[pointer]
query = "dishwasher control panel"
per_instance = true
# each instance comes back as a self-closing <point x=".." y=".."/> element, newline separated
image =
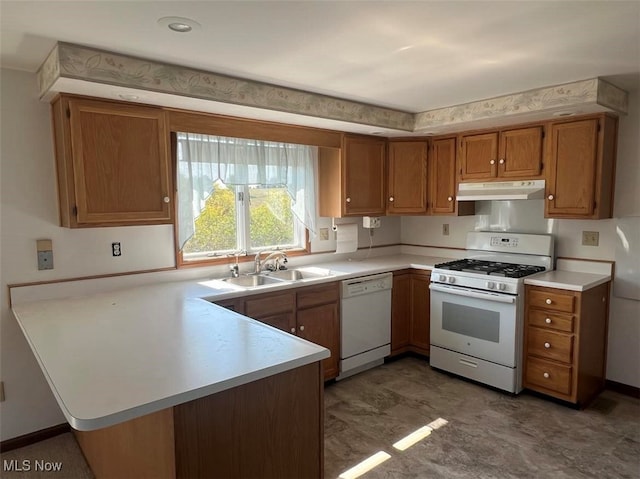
<point x="367" y="285"/>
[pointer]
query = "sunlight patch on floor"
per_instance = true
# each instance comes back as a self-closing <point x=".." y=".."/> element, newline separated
<point x="365" y="466"/>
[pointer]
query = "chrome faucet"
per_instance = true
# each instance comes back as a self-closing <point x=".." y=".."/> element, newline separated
<point x="278" y="256"/>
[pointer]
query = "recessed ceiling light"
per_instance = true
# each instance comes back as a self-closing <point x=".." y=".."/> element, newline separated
<point x="179" y="24"/>
<point x="129" y="97"/>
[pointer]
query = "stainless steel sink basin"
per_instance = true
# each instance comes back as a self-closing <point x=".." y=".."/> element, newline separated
<point x="297" y="274"/>
<point x="253" y="280"/>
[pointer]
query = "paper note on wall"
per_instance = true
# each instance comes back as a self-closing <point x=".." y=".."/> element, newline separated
<point x="346" y="238"/>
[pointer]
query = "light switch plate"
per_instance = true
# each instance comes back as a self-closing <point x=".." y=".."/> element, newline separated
<point x="590" y="238"/>
<point x="324" y="234"/>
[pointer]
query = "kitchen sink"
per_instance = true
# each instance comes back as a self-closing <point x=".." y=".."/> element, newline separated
<point x="252" y="280"/>
<point x="298" y="274"/>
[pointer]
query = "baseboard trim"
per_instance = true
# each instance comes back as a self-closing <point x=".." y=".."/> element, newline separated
<point x="34" y="437"/>
<point x="623" y="388"/>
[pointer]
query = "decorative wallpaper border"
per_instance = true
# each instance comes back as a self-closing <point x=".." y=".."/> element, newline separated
<point x="89" y="64"/>
<point x="569" y="95"/>
<point x="92" y="65"/>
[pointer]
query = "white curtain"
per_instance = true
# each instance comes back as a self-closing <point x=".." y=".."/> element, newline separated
<point x="203" y="159"/>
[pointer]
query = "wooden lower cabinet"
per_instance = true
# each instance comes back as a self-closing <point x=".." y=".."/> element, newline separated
<point x="312" y="313"/>
<point x="410" y="312"/>
<point x="565" y="342"/>
<point x="272" y="427"/>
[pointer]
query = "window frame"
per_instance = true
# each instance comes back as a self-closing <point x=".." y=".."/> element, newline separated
<point x="221" y="259"/>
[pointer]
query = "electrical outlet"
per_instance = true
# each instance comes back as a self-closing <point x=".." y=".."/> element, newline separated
<point x="324" y="234"/>
<point x="44" y="249"/>
<point x="445" y="229"/>
<point x="590" y="238"/>
<point x="116" y="250"/>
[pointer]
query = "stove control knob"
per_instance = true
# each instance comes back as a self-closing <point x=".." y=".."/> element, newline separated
<point x="502" y="286"/>
<point x="451" y="279"/>
<point x="491" y="284"/>
<point x="442" y="278"/>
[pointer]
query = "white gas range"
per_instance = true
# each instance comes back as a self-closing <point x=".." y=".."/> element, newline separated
<point x="477" y="306"/>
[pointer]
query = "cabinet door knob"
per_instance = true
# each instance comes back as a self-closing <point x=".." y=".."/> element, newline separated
<point x="550" y="197"/>
<point x="166" y="199"/>
<point x="501" y="161"/>
<point x="301" y="328"/>
<point x="492" y="162"/>
<point x="449" y="198"/>
<point x="293" y="330"/>
<point x="548" y="320"/>
<point x="348" y="199"/>
<point x="547" y="345"/>
<point x="546" y="375"/>
<point x="548" y="301"/>
<point x="391" y="199"/>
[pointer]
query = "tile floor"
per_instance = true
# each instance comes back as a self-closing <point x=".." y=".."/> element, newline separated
<point x="489" y="434"/>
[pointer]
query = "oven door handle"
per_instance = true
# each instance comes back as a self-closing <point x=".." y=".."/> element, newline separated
<point x="500" y="298"/>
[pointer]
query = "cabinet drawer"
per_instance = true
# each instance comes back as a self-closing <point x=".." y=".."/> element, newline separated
<point x="285" y="321"/>
<point x="550" y="345"/>
<point x="549" y="320"/>
<point x="318" y="295"/>
<point x="554" y="300"/>
<point x="267" y="305"/>
<point x="555" y="377"/>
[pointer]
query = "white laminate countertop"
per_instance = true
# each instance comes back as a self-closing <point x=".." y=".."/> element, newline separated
<point x="118" y="355"/>
<point x="114" y="356"/>
<point x="570" y="280"/>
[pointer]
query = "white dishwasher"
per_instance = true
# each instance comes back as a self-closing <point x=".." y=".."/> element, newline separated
<point x="365" y="323"/>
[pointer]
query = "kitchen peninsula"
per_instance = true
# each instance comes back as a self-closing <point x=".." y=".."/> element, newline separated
<point x="158" y="383"/>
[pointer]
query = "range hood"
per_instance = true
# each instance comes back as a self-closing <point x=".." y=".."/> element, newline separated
<point x="501" y="190"/>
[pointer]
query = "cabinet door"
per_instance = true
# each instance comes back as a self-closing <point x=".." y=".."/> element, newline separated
<point x="443" y="173"/>
<point x="521" y="153"/>
<point x="321" y="325"/>
<point x="407" y="177"/>
<point x="572" y="169"/>
<point x="478" y="156"/>
<point x="400" y="312"/>
<point x="420" y="314"/>
<point x="364" y="176"/>
<point x="283" y="321"/>
<point x="120" y="163"/>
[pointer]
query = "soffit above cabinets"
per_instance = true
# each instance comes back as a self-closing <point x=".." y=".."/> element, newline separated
<point x="83" y="70"/>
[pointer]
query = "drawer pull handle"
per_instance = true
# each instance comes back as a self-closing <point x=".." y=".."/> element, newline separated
<point x="548" y="301"/>
<point x="546" y="375"/>
<point x="466" y="362"/>
<point x="301" y="328"/>
<point x="391" y="199"/>
<point x="548" y="320"/>
<point x="449" y="198"/>
<point x="293" y="330"/>
<point x="492" y="162"/>
<point x="547" y="345"/>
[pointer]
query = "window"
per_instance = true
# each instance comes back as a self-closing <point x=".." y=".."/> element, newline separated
<point x="243" y="195"/>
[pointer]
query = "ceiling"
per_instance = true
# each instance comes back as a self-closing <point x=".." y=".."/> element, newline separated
<point x="411" y="56"/>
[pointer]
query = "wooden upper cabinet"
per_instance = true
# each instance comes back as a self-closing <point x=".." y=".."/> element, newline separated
<point x="352" y="180"/>
<point x="506" y="154"/>
<point x="113" y="163"/>
<point x="407" y="173"/>
<point x="442" y="180"/>
<point x="478" y="156"/>
<point x="521" y="153"/>
<point x="581" y="157"/>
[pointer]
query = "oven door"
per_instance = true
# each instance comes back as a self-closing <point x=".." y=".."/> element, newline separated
<point x="476" y="323"/>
